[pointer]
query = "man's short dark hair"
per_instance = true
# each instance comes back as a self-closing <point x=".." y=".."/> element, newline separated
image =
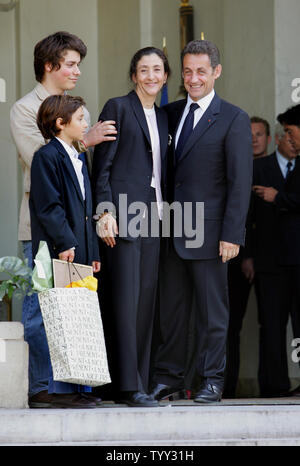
<point x="256" y="119"/>
<point x="290" y="117"/>
<point x="205" y="47"/>
<point x="56" y="106"/>
<point x="53" y="48"/>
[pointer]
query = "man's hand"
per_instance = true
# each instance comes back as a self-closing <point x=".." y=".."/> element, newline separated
<point x="267" y="194"/>
<point x="100" y="132"/>
<point x="248" y="269"/>
<point x="67" y="255"/>
<point x="107" y="229"/>
<point x="228" y="250"/>
<point x="96" y="266"/>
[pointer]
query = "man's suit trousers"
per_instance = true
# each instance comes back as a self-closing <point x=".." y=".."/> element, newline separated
<point x="278" y="297"/>
<point x="179" y="280"/>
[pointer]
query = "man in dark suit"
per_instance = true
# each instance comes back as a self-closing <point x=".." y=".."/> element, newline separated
<point x="211" y="164"/>
<point x="241" y="275"/>
<point x="272" y="216"/>
<point x="289" y="202"/>
<point x="291" y="122"/>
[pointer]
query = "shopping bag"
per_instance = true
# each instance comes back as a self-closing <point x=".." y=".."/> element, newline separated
<point x="75" y="336"/>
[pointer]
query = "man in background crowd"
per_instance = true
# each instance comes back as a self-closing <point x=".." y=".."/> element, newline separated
<point x="273" y="221"/>
<point x="241" y="275"/>
<point x="261" y="136"/>
<point x="291" y="202"/>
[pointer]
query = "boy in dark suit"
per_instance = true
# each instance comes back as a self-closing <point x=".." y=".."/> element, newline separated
<point x="61" y="214"/>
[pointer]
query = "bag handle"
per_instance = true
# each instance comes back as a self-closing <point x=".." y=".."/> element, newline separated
<point x="75" y="270"/>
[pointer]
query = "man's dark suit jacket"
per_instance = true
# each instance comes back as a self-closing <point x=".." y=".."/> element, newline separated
<point x="274" y="240"/>
<point x="125" y="166"/>
<point x="59" y="214"/>
<point x="215" y="167"/>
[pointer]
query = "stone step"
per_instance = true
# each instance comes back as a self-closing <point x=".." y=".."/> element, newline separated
<point x="226" y="423"/>
<point x="176" y="444"/>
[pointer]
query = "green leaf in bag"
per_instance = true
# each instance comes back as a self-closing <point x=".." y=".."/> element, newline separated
<point x="42" y="276"/>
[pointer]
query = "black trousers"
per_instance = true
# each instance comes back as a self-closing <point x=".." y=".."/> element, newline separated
<point x="278" y="297"/>
<point x="180" y="280"/>
<point x="238" y="289"/>
<point x="127" y="297"/>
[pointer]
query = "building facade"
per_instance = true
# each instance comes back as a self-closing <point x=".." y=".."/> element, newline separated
<point x="259" y="45"/>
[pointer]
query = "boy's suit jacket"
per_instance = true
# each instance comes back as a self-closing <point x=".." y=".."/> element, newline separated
<point x="59" y="214"/>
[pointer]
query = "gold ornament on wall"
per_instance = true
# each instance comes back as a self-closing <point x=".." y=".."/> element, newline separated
<point x="186" y="22"/>
<point x="186" y="13"/>
<point x="8" y="6"/>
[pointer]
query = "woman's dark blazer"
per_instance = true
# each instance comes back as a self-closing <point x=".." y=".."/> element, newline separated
<point x="124" y="166"/>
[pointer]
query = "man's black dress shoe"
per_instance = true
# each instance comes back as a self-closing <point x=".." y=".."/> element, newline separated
<point x="208" y="393"/>
<point x="138" y="399"/>
<point x="162" y="391"/>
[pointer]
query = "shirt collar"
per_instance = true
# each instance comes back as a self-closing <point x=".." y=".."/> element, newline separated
<point x="204" y="102"/>
<point x="283" y="161"/>
<point x="69" y="149"/>
<point x="41" y="91"/>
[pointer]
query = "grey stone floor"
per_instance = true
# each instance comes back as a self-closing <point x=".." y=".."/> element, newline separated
<point x="246" y="422"/>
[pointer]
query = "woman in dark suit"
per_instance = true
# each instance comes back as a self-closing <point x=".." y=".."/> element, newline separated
<point x="129" y="170"/>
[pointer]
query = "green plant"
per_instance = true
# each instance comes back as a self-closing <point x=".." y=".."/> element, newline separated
<point x="19" y="282"/>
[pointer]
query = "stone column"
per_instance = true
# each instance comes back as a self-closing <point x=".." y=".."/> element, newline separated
<point x="13" y="366"/>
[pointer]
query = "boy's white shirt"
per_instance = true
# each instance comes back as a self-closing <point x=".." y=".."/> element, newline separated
<point x="77" y="164"/>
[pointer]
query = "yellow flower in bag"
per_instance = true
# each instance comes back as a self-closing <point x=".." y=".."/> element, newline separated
<point x="91" y="283"/>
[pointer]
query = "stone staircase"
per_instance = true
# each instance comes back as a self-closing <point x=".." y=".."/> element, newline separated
<point x="231" y="422"/>
<point x="180" y="423"/>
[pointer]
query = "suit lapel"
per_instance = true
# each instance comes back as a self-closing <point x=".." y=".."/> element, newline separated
<point x="69" y="166"/>
<point x="162" y="126"/>
<point x="206" y="121"/>
<point x="274" y="172"/>
<point x="177" y="117"/>
<point x="295" y="171"/>
<point x="139" y="113"/>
